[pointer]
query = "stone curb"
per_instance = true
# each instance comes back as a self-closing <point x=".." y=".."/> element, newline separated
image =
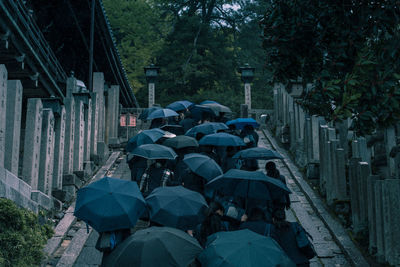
<point x="65" y="223"/>
<point x="336" y="229"/>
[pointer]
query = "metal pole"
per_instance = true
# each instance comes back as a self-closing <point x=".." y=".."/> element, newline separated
<point x="91" y="46"/>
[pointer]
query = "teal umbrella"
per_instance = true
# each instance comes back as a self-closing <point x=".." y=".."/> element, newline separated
<point x="241" y="122"/>
<point x="206" y="128"/>
<point x="162" y="113"/>
<point x="154" y="151"/>
<point x="243" y="248"/>
<point x="176" y="206"/>
<point x="221" y="139"/>
<point x="155" y="246"/>
<point x="257" y="153"/>
<point x="110" y="204"/>
<point x="202" y="165"/>
<point x="144" y="137"/>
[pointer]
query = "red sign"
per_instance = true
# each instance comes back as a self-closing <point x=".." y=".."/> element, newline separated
<point x="132" y="120"/>
<point x="122" y="120"/>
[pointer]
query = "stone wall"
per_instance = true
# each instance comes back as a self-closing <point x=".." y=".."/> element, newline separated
<point x="360" y="171"/>
<point x="59" y="140"/>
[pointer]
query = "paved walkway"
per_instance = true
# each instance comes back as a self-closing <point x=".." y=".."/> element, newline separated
<point x="329" y="253"/>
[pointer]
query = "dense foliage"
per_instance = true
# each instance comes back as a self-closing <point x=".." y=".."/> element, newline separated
<point x="348" y="50"/>
<point x="198" y="45"/>
<point x="21" y="236"/>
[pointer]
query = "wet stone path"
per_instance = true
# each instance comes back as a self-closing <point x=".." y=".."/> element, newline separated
<point x="329" y="254"/>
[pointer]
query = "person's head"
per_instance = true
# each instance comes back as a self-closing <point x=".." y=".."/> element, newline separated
<point x="256" y="214"/>
<point x="279" y="217"/>
<point x="160" y="163"/>
<point x="270" y="165"/>
<point x="215" y="208"/>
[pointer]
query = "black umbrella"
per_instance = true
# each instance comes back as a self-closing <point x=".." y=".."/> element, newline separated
<point x="202" y="165"/>
<point x="154" y="151"/>
<point x="175" y="129"/>
<point x="176" y="206"/>
<point x="155" y="246"/>
<point x="206" y="128"/>
<point x="181" y="141"/>
<point x="257" y="153"/>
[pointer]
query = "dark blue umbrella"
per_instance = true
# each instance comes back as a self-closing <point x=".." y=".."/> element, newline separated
<point x="144" y="137"/>
<point x="175" y="129"/>
<point x="257" y="153"/>
<point x="241" y="122"/>
<point x="243" y="248"/>
<point x="179" y="105"/>
<point x="247" y="184"/>
<point x="206" y="128"/>
<point x="162" y="113"/>
<point x="176" y="206"/>
<point x="110" y="204"/>
<point x="221" y="139"/>
<point x="202" y="165"/>
<point x="147" y="111"/>
<point x="154" y="247"/>
<point x="154" y="151"/>
<point x="181" y="141"/>
<point x="209" y="102"/>
<point x="199" y="112"/>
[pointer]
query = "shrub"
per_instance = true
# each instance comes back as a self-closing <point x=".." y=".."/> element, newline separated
<point x="22" y="238"/>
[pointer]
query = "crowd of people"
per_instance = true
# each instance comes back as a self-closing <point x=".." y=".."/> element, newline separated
<point x="224" y="213"/>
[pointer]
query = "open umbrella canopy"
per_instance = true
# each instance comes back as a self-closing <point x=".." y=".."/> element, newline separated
<point x="110" y="204"/>
<point x="217" y="108"/>
<point x="257" y="153"/>
<point x="147" y="111"/>
<point x="202" y="165"/>
<point x="247" y="184"/>
<point x="206" y="128"/>
<point x="209" y="102"/>
<point x="200" y="111"/>
<point x="179" y="105"/>
<point x="243" y="248"/>
<point x="154" y="247"/>
<point x="221" y="139"/>
<point x="241" y="122"/>
<point x="162" y="113"/>
<point x="175" y="129"/>
<point x="181" y="141"/>
<point x="176" y="206"/>
<point x="154" y="151"/>
<point x="144" y="137"/>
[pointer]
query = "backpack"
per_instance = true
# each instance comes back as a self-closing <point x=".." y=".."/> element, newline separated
<point x="303" y="242"/>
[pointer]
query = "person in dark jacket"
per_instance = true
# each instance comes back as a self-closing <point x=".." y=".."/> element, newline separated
<point x="249" y="136"/>
<point x="213" y="222"/>
<point x="137" y="165"/>
<point x="280" y="199"/>
<point x="156" y="175"/>
<point x="188" y="122"/>
<point x="284" y="233"/>
<point x="229" y="162"/>
<point x="256" y="221"/>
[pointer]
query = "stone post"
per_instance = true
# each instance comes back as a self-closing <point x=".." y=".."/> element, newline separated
<point x="354" y="193"/>
<point x="79" y="135"/>
<point x="340" y="180"/>
<point x="390" y="142"/>
<point x="113" y="114"/>
<point x="13" y="125"/>
<point x="380" y="235"/>
<point x="391" y="219"/>
<point x="95" y="124"/>
<point x="102" y="147"/>
<point x="247" y="95"/>
<point x="308" y="142"/>
<point x="372" y="213"/>
<point x="323" y="138"/>
<point x="3" y="106"/>
<point x="315" y="137"/>
<point x="331" y="186"/>
<point x="85" y="97"/>
<point x="46" y="152"/>
<point x="244" y="111"/>
<point x="55" y="104"/>
<point x="276" y="107"/>
<point x="363" y="150"/>
<point x="68" y="166"/>
<point x="152" y="93"/>
<point x="364" y="172"/>
<point x="355" y="148"/>
<point x="33" y="135"/>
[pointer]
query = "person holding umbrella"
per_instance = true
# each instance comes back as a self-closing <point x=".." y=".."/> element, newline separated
<point x="157" y="174"/>
<point x="213" y="223"/>
<point x="279" y="201"/>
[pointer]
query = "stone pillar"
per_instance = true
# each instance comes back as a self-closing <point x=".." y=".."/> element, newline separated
<point x="68" y="166"/>
<point x="3" y="105"/>
<point x="355" y="194"/>
<point x="380" y="235"/>
<point x="275" y="105"/>
<point x="355" y="148"/>
<point x="95" y="124"/>
<point x="13" y="125"/>
<point x="340" y="180"/>
<point x="372" y="213"/>
<point x="363" y="150"/>
<point x="331" y="186"/>
<point x="247" y="94"/>
<point x="112" y="114"/>
<point x="391" y="219"/>
<point x="323" y="138"/>
<point x="55" y="104"/>
<point x="390" y="142"/>
<point x="364" y="173"/>
<point x="152" y="93"/>
<point x="315" y="137"/>
<point x="33" y="135"/>
<point x="79" y="135"/>
<point x="244" y="111"/>
<point x="98" y="87"/>
<point x="308" y="142"/>
<point x="46" y="152"/>
<point x="87" y="117"/>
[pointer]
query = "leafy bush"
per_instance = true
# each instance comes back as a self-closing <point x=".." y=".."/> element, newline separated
<point x="22" y="238"/>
